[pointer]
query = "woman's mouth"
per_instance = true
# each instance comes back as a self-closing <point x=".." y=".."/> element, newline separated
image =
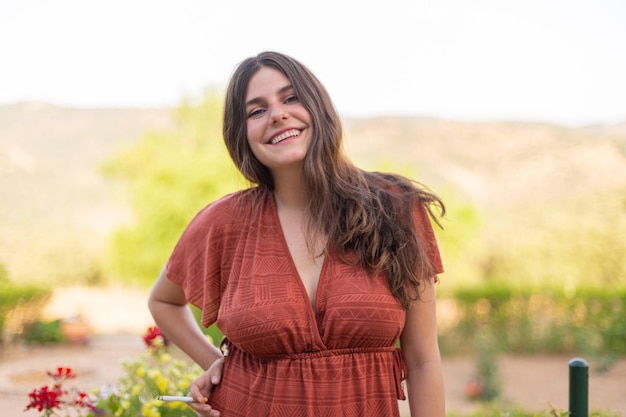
<point x="286" y="135"/>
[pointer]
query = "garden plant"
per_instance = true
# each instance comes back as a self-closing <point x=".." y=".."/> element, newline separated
<point x="153" y="372"/>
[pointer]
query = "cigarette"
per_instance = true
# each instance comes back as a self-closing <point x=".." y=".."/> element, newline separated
<point x="179" y="398"/>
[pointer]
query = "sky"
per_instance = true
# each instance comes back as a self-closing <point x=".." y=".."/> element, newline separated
<point x="557" y="61"/>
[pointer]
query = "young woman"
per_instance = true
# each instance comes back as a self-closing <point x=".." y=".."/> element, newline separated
<point x="313" y="273"/>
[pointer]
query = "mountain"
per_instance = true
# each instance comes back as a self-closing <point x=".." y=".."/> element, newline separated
<point x="497" y="163"/>
<point x="51" y="189"/>
<point x="50" y="158"/>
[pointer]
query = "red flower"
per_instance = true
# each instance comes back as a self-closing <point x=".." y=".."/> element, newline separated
<point x="154" y="338"/>
<point x="474" y="389"/>
<point x="48" y="399"/>
<point x="44" y="398"/>
<point x="62" y="374"/>
<point x="83" y="401"/>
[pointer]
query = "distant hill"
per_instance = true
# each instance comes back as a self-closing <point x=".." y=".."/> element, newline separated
<point x="50" y="157"/>
<point x="497" y="163"/>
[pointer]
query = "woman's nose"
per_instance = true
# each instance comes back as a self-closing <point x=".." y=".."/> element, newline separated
<point x="278" y="112"/>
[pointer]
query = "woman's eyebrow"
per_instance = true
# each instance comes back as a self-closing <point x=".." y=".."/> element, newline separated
<point x="257" y="100"/>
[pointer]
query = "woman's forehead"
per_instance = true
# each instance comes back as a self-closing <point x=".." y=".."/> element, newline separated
<point x="265" y="82"/>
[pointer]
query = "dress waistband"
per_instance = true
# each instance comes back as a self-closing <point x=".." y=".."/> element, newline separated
<point x="399" y="365"/>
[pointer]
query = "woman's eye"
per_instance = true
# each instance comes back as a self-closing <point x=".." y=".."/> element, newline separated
<point x="256" y="112"/>
<point x="292" y="99"/>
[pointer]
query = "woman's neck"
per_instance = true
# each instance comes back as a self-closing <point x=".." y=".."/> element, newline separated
<point x="290" y="192"/>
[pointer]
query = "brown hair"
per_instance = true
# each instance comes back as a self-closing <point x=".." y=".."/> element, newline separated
<point x="366" y="214"/>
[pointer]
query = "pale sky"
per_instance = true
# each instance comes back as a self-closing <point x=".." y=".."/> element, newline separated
<point x="561" y="61"/>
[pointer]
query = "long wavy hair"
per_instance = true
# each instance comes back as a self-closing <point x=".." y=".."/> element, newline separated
<point x="367" y="217"/>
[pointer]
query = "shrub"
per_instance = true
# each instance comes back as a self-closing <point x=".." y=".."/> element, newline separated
<point x="527" y="320"/>
<point x="19" y="304"/>
<point x="43" y="332"/>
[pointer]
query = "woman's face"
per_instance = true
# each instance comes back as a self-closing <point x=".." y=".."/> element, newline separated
<point x="278" y="125"/>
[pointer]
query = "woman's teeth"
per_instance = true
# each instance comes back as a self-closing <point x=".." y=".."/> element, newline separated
<point x="283" y="136"/>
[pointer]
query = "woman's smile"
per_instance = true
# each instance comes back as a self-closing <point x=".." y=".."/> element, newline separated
<point x="284" y="136"/>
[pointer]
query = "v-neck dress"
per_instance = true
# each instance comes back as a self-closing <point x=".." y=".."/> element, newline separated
<point x="282" y="356"/>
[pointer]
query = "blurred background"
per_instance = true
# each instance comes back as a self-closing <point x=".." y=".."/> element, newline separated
<point x="513" y="111"/>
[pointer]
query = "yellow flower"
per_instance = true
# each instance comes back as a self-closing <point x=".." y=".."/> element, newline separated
<point x="150" y="410"/>
<point x="158" y="342"/>
<point x="136" y="390"/>
<point x="165" y="357"/>
<point x="125" y="404"/>
<point x="140" y="372"/>
<point x="161" y="383"/>
<point x="182" y="385"/>
<point x="175" y="405"/>
<point x="175" y="373"/>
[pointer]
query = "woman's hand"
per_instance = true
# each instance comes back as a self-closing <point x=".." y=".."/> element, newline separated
<point x="203" y="385"/>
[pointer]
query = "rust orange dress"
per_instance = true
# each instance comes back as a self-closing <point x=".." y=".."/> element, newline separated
<point x="284" y="356"/>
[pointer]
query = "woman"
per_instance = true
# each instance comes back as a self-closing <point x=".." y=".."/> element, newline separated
<point x="312" y="274"/>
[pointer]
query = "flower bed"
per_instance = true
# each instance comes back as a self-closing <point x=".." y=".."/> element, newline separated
<point x="149" y="374"/>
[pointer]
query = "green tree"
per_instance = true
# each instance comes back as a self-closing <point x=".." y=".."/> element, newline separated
<point x="170" y="176"/>
<point x="460" y="241"/>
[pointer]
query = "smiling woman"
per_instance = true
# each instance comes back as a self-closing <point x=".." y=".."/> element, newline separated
<point x="313" y="273"/>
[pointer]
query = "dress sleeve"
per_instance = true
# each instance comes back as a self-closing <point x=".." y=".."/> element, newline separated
<point x="200" y="260"/>
<point x="426" y="236"/>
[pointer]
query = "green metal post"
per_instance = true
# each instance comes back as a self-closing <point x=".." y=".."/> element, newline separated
<point x="578" y="388"/>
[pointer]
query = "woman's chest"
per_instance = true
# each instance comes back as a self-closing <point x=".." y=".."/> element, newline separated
<point x="265" y="307"/>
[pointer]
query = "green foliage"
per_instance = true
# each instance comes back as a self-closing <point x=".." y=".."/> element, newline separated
<point x="213" y="332"/>
<point x="460" y="240"/>
<point x="170" y="177"/>
<point x="498" y="410"/>
<point x="19" y="303"/>
<point x="43" y="332"/>
<point x="487" y="371"/>
<point x="539" y="320"/>
<point x="4" y="275"/>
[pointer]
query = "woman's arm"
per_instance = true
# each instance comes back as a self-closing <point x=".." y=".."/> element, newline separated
<point x="171" y="313"/>
<point x="420" y="348"/>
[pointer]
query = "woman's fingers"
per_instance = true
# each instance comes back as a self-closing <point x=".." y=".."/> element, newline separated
<point x="202" y="386"/>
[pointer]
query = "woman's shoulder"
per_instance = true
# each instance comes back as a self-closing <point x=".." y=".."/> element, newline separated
<point x="230" y="209"/>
